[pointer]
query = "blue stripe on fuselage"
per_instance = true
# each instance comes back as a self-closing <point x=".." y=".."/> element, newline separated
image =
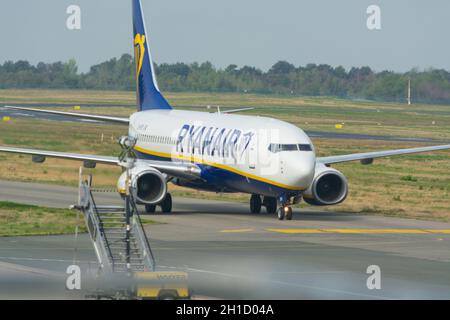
<point x="225" y="179"/>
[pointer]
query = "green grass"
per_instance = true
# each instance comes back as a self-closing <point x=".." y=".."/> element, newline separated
<point x="414" y="186"/>
<point x="311" y="113"/>
<point x="20" y="219"/>
<point x="28" y="220"/>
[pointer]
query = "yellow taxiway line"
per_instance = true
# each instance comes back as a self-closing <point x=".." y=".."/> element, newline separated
<point x="359" y="231"/>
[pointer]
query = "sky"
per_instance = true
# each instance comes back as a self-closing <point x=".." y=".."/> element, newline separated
<point x="413" y="34"/>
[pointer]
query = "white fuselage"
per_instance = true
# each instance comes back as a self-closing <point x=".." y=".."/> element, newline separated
<point x="236" y="153"/>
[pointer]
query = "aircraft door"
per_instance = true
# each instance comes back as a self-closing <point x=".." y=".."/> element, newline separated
<point x="252" y="154"/>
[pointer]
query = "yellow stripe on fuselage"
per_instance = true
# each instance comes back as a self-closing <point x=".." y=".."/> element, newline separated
<point x="216" y="165"/>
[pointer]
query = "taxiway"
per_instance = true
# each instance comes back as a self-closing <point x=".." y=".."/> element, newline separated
<point x="232" y="254"/>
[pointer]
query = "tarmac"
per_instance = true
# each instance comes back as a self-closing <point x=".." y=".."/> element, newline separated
<point x="232" y="254"/>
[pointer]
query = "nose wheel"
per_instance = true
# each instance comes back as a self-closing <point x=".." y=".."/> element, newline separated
<point x="284" y="212"/>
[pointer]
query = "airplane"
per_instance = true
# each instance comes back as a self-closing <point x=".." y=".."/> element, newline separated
<point x="273" y="161"/>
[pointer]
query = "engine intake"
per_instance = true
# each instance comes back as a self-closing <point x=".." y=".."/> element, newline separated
<point x="329" y="187"/>
<point x="149" y="183"/>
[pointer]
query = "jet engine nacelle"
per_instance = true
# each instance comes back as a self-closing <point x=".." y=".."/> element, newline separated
<point x="329" y="187"/>
<point x="150" y="184"/>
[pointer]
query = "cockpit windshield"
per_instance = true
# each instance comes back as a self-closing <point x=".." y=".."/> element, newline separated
<point x="276" y="147"/>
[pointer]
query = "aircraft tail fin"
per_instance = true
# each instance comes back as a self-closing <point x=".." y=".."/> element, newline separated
<point x="148" y="95"/>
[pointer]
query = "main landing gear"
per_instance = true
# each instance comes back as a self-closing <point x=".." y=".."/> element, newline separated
<point x="271" y="205"/>
<point x="166" y="205"/>
<point x="255" y="204"/>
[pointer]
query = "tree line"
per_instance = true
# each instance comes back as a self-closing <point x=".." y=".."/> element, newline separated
<point x="427" y="86"/>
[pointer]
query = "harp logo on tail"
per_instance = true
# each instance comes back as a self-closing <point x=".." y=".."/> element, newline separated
<point x="139" y="47"/>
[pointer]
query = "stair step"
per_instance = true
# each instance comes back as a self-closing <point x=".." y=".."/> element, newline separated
<point x="118" y="239"/>
<point x="116" y="231"/>
<point x="110" y="208"/>
<point x="111" y="213"/>
<point x="132" y="260"/>
<point x="116" y="248"/>
<point x="122" y="255"/>
<point x="134" y="250"/>
<point x="134" y="255"/>
<point x="109" y="221"/>
<point x="110" y="236"/>
<point x="124" y="265"/>
<point x="117" y="236"/>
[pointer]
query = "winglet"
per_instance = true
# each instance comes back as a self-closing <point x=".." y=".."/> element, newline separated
<point x="147" y="91"/>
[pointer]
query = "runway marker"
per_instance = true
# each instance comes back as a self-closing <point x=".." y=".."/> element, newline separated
<point x="382" y="231"/>
<point x="236" y="230"/>
<point x="359" y="231"/>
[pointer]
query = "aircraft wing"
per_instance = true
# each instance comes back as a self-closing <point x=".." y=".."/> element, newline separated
<point x="177" y="169"/>
<point x="369" y="156"/>
<point x="229" y="111"/>
<point x="237" y="110"/>
<point x="73" y="114"/>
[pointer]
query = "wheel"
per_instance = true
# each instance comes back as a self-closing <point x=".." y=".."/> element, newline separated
<point x="169" y="295"/>
<point x="255" y="203"/>
<point x="166" y="204"/>
<point x="150" y="208"/>
<point x="288" y="214"/>
<point x="271" y="204"/>
<point x="280" y="213"/>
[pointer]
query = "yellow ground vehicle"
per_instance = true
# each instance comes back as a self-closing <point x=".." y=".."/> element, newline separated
<point x="161" y="285"/>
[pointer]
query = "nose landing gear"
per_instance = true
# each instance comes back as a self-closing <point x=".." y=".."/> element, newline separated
<point x="284" y="212"/>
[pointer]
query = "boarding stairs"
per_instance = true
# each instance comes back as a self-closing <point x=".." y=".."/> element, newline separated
<point x="119" y="239"/>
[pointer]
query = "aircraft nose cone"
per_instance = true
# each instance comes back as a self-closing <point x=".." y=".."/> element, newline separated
<point x="307" y="170"/>
<point x="302" y="169"/>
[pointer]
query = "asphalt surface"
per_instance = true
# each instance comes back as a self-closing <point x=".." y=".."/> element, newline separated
<point x="312" y="134"/>
<point x="230" y="253"/>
